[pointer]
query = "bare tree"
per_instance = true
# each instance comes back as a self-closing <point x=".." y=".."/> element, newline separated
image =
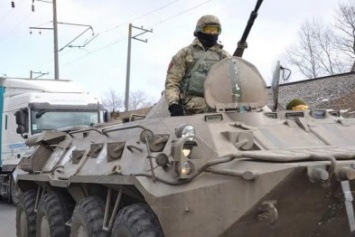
<point x="139" y="100"/>
<point x="112" y="101"/>
<point x="315" y="53"/>
<point x="302" y="54"/>
<point x="345" y="28"/>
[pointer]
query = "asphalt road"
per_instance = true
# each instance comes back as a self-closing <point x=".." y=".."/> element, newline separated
<point x="7" y="219"/>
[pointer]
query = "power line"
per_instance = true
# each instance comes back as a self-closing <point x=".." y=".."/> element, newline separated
<point x="116" y="27"/>
<point x="14" y="28"/>
<point x="181" y="13"/>
<point x="7" y="13"/>
<point x="92" y="52"/>
<point x="141" y="16"/>
<point x="159" y="23"/>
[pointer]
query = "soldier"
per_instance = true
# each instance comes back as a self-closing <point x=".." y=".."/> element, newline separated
<point x="189" y="67"/>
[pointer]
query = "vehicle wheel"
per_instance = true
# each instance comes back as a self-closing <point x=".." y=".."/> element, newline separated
<point x="15" y="192"/>
<point x="52" y="214"/>
<point x="25" y="215"/>
<point x="136" y="220"/>
<point x="88" y="218"/>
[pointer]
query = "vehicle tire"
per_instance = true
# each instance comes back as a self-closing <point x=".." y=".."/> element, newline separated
<point x="25" y="215"/>
<point x="54" y="210"/>
<point x="88" y="218"/>
<point x="136" y="220"/>
<point x="15" y="192"/>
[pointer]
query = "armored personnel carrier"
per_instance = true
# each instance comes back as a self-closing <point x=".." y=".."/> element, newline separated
<point x="237" y="170"/>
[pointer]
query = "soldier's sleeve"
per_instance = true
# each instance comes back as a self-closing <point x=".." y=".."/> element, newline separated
<point x="176" y="72"/>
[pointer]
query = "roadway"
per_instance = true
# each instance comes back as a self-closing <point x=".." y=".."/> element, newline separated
<point x="7" y="219"/>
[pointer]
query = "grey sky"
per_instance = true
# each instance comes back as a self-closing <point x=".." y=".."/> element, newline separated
<point x="101" y="65"/>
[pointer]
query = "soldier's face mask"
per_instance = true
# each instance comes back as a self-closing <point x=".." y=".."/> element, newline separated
<point x="300" y="107"/>
<point x="207" y="40"/>
<point x="211" y="29"/>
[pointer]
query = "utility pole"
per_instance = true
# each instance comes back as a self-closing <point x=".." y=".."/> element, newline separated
<point x="55" y="34"/>
<point x="55" y="37"/>
<point x="129" y="57"/>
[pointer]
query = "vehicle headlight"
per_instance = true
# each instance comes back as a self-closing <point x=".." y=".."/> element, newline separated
<point x="187" y="155"/>
<point x="185" y="130"/>
<point x="186" y="152"/>
<point x="186" y="168"/>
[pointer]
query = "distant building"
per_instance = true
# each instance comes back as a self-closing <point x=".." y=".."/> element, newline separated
<point x="330" y="92"/>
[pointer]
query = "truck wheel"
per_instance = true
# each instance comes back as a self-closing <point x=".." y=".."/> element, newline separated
<point x="15" y="192"/>
<point x="136" y="220"/>
<point x="88" y="218"/>
<point x="52" y="214"/>
<point x="25" y="215"/>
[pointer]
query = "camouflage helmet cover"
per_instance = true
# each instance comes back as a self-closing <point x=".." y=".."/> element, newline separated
<point x="207" y="20"/>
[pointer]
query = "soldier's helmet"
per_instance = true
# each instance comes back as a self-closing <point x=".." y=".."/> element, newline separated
<point x="297" y="104"/>
<point x="208" y="24"/>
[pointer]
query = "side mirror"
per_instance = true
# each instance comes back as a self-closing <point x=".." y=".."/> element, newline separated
<point x="106" y="116"/>
<point x="21" y="121"/>
<point x="20" y="117"/>
<point x="20" y="129"/>
<point x="286" y="73"/>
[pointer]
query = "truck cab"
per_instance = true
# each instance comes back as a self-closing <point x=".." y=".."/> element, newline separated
<point x="30" y="106"/>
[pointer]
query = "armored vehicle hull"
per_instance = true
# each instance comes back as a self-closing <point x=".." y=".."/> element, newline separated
<point x="238" y="170"/>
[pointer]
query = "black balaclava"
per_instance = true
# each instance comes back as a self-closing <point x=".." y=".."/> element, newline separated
<point x="207" y="40"/>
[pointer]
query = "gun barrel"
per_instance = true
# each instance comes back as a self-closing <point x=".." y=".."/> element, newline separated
<point x="242" y="44"/>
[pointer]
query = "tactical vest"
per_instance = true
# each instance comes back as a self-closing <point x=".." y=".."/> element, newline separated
<point x="193" y="82"/>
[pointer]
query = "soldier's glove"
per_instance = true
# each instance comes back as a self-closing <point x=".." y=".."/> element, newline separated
<point x="176" y="110"/>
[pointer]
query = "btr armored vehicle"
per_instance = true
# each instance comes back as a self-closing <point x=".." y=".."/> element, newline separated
<point x="238" y="170"/>
<point x="235" y="171"/>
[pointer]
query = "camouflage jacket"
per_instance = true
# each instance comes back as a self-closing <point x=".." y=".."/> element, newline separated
<point x="180" y="64"/>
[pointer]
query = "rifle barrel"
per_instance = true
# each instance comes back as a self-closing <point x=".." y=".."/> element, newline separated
<point x="242" y="44"/>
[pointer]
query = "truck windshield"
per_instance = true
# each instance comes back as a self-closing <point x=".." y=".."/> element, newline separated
<point x="42" y="120"/>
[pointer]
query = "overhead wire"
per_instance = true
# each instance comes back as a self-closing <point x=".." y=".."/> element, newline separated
<point x="116" y="27"/>
<point x="159" y="23"/>
<point x="122" y="24"/>
<point x="7" y="13"/>
<point x="141" y="16"/>
<point x="181" y="13"/>
<point x="126" y="22"/>
<point x="16" y="26"/>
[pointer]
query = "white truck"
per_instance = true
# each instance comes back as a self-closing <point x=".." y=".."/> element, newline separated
<point x="30" y="106"/>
